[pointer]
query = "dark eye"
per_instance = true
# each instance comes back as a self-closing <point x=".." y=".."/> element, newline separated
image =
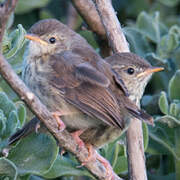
<point x="130" y="71"/>
<point x="52" y="40"/>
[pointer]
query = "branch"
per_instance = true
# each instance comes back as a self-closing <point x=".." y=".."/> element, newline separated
<point x="64" y="138"/>
<point x="134" y="134"/>
<point x="93" y="20"/>
<point x="6" y="9"/>
<point x="112" y="26"/>
<point x="92" y="17"/>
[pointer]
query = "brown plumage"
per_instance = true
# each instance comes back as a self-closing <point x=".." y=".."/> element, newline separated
<point x="66" y="73"/>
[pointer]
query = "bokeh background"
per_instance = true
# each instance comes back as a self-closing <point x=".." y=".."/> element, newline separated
<point x="152" y="28"/>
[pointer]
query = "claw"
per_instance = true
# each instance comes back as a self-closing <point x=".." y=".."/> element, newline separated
<point x="61" y="125"/>
<point x="109" y="170"/>
<point x="93" y="156"/>
<point x="76" y="137"/>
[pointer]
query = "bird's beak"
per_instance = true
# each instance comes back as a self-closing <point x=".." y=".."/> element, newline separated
<point x="35" y="38"/>
<point x="150" y="71"/>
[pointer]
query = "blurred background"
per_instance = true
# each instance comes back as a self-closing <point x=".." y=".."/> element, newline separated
<point x="152" y="28"/>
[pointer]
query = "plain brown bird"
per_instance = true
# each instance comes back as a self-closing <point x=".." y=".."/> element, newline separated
<point x="73" y="81"/>
<point x="127" y="66"/>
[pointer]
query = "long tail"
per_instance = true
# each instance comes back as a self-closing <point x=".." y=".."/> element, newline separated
<point x="142" y="115"/>
<point x="28" y="128"/>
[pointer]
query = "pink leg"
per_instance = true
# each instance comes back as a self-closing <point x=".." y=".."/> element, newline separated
<point x="76" y="137"/>
<point x="93" y="155"/>
<point x="107" y="165"/>
<point x="61" y="125"/>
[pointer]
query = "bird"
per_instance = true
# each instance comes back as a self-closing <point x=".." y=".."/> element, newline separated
<point x="135" y="73"/>
<point x="85" y="93"/>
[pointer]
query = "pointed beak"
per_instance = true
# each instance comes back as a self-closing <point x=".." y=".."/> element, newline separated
<point x="35" y="38"/>
<point x="150" y="71"/>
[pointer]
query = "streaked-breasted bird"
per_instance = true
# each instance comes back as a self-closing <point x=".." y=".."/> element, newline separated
<point x="88" y="94"/>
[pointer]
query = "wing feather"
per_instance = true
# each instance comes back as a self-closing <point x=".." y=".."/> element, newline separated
<point x="93" y="98"/>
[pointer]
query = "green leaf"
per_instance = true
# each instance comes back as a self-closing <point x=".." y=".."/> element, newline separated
<point x="3" y="120"/>
<point x="154" y="59"/>
<point x="6" y="104"/>
<point x="121" y="165"/>
<point x="34" y="178"/>
<point x="169" y="120"/>
<point x="11" y="124"/>
<point x="169" y="42"/>
<point x="26" y="6"/>
<point x="149" y="26"/>
<point x="17" y="41"/>
<point x="150" y="103"/>
<point x="7" y="170"/>
<point x="174" y="86"/>
<point x="163" y="103"/>
<point x="152" y="176"/>
<point x="111" y="152"/>
<point x="16" y="60"/>
<point x="138" y="44"/>
<point x="6" y="44"/>
<point x="21" y="110"/>
<point x="34" y="154"/>
<point x="169" y="3"/>
<point x="161" y="140"/>
<point x="175" y="109"/>
<point x="4" y="87"/>
<point x="145" y="135"/>
<point x="9" y="118"/>
<point x="65" y="167"/>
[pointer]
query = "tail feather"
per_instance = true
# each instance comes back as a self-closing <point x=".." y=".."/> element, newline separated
<point x="28" y="128"/>
<point x="142" y="115"/>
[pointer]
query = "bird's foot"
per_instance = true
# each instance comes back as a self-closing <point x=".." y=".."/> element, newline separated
<point x="61" y="125"/>
<point x="93" y="156"/>
<point x="76" y="137"/>
<point x="107" y="165"/>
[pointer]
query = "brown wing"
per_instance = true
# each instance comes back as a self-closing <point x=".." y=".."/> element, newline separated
<point x="89" y="55"/>
<point x="84" y="87"/>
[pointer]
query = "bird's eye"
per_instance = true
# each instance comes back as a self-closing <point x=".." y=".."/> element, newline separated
<point x="130" y="71"/>
<point x="52" y="40"/>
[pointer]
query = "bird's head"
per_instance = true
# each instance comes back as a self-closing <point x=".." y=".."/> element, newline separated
<point x="49" y="37"/>
<point x="133" y="70"/>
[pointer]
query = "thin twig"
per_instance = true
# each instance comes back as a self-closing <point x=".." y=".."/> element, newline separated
<point x="64" y="138"/>
<point x="112" y="26"/>
<point x="6" y="9"/>
<point x="134" y="134"/>
<point x="87" y="10"/>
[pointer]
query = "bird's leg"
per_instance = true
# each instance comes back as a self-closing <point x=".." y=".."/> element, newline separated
<point x="61" y="125"/>
<point x="76" y="137"/>
<point x="107" y="166"/>
<point x="93" y="155"/>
